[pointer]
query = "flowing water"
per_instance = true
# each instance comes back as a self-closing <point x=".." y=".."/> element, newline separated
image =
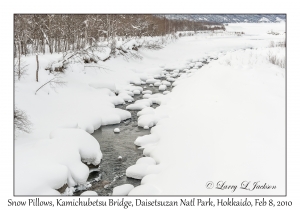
<point x="119" y="151"/>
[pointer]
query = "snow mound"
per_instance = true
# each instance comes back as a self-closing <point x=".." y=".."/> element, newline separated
<point x="122" y="189"/>
<point x="147" y="92"/>
<point x="158" y="83"/>
<point x="125" y="96"/>
<point x="149" y="148"/>
<point x="146" y="189"/>
<point x="147" y="102"/>
<point x="148" y="120"/>
<point x="167" y="83"/>
<point x="117" y="130"/>
<point x="89" y="193"/>
<point x="146" y="160"/>
<point x="132" y="88"/>
<point x="47" y="164"/>
<point x="138" y="106"/>
<point x="151" y="119"/>
<point x="148" y="178"/>
<point x="116" y="100"/>
<point x="137" y="171"/>
<point x="162" y="87"/>
<point x="170" y="79"/>
<point x="108" y="85"/>
<point x="146" y="96"/>
<point x="136" y="92"/>
<point x="151" y="81"/>
<point x="142" y="141"/>
<point x="147" y="110"/>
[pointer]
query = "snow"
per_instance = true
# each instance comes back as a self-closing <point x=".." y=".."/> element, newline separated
<point x="89" y="193"/>
<point x="166" y="92"/>
<point x="126" y="97"/>
<point x="147" y="92"/>
<point x="122" y="189"/>
<point x="170" y="79"/>
<point x="136" y="92"/>
<point x="145" y="190"/>
<point x="147" y="110"/>
<point x="117" y="130"/>
<point x="148" y="148"/>
<point x="162" y="87"/>
<point x="151" y="81"/>
<point x="158" y="83"/>
<point x="148" y="178"/>
<point x="263" y="19"/>
<point x="137" y="171"/>
<point x="234" y="105"/>
<point x="146" y="160"/>
<point x="167" y="83"/>
<point x="147" y="139"/>
<point x="108" y="85"/>
<point x="143" y="166"/>
<point x="138" y="106"/>
<point x="72" y="147"/>
<point x="244" y="107"/>
<point x="148" y="120"/>
<point x="146" y="96"/>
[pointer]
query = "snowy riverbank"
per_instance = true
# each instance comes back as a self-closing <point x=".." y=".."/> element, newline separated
<point x="230" y="114"/>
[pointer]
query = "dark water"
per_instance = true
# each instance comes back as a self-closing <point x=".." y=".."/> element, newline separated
<point x="111" y="172"/>
<point x="112" y="169"/>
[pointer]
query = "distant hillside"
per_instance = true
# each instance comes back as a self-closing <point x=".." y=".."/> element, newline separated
<point x="229" y="18"/>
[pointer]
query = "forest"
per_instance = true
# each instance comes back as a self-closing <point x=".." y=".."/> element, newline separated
<point x="55" y="33"/>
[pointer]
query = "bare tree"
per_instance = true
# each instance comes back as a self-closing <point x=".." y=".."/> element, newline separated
<point x="20" y="68"/>
<point x="41" y="33"/>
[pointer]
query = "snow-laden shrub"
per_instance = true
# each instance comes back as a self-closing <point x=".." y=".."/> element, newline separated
<point x="274" y="59"/>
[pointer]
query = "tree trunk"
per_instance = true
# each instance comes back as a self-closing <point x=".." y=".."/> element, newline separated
<point x="19" y="64"/>
<point x="37" y="68"/>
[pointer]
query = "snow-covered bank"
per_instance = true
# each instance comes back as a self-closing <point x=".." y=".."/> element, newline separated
<point x="85" y="105"/>
<point x="233" y="130"/>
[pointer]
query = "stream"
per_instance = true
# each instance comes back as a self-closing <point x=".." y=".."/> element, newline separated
<point x="119" y="151"/>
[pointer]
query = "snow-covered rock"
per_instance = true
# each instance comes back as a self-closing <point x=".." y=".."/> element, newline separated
<point x="166" y="92"/>
<point x="147" y="110"/>
<point x="117" y="130"/>
<point x="138" y="106"/>
<point x="162" y="87"/>
<point x="170" y="79"/>
<point x="167" y="83"/>
<point x="59" y="161"/>
<point x="89" y="193"/>
<point x="122" y="189"/>
<point x="146" y="189"/>
<point x="151" y="81"/>
<point x="148" y="178"/>
<point x="137" y="171"/>
<point x="136" y="92"/>
<point x="146" y="160"/>
<point x="142" y="141"/>
<point x="158" y="83"/>
<point x="147" y="92"/>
